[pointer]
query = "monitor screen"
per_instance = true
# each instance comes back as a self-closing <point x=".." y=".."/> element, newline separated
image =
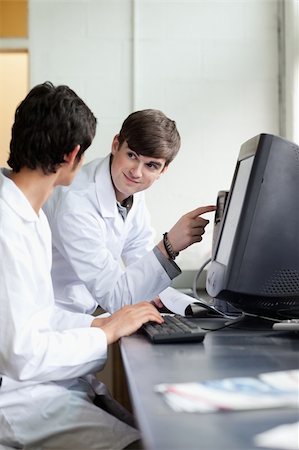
<point x="255" y="256"/>
<point x="232" y="219"/>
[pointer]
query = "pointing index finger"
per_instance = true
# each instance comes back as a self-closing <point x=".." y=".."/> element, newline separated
<point x="202" y="210"/>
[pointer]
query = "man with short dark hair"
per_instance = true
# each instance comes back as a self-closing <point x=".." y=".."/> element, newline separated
<point x="103" y="243"/>
<point x="47" y="354"/>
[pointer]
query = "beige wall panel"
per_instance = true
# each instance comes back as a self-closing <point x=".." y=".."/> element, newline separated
<point x="13" y="88"/>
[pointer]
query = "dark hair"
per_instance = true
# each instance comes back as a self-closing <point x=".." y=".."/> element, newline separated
<point x="48" y="125"/>
<point x="150" y="133"/>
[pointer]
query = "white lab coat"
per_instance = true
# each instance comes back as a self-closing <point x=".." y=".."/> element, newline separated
<point x="45" y="351"/>
<point x="91" y="240"/>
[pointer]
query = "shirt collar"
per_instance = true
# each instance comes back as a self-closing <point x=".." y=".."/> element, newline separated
<point x="14" y="197"/>
<point x="125" y="206"/>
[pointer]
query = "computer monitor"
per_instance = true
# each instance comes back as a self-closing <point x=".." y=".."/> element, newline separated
<point x="255" y="256"/>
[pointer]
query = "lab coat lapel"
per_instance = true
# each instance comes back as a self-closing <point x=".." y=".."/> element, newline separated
<point x="106" y="196"/>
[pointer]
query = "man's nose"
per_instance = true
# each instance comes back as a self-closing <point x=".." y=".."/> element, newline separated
<point x="136" y="169"/>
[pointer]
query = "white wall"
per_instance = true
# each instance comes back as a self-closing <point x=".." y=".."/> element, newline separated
<point x="210" y="65"/>
<point x="291" y="69"/>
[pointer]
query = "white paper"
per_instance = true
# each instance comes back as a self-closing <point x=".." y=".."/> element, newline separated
<point x="284" y="437"/>
<point x="283" y="379"/>
<point x="237" y="393"/>
<point x="176" y="301"/>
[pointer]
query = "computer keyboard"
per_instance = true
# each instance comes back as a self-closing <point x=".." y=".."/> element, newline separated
<point x="175" y="329"/>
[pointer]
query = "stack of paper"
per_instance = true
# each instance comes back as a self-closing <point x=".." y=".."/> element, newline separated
<point x="268" y="390"/>
<point x="284" y="436"/>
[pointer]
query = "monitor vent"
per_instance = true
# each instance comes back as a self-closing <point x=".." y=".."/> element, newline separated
<point x="278" y="307"/>
<point x="282" y="282"/>
<point x="276" y="303"/>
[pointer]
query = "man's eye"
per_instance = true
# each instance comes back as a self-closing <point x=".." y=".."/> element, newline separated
<point x="152" y="166"/>
<point x="131" y="155"/>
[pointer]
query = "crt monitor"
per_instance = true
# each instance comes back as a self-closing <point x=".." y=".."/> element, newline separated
<point x="255" y="258"/>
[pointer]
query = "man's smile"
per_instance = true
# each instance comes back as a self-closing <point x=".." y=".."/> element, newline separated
<point x="131" y="180"/>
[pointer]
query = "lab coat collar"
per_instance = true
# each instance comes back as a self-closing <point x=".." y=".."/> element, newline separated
<point x="14" y="198"/>
<point x="105" y="190"/>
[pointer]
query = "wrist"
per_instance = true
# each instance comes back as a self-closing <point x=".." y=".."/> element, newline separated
<point x="162" y="249"/>
<point x="98" y="322"/>
<point x="112" y="334"/>
<point x="172" y="254"/>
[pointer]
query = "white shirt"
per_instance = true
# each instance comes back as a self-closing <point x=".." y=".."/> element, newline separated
<point x="39" y="342"/>
<point x="92" y="244"/>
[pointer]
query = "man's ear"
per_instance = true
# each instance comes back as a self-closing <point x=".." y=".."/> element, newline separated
<point x="115" y="144"/>
<point x="70" y="158"/>
<point x="164" y="168"/>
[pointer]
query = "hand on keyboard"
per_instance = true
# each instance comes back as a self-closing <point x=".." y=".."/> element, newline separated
<point x="127" y="320"/>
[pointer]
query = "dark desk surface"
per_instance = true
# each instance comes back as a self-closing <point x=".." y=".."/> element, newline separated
<point x="225" y="353"/>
